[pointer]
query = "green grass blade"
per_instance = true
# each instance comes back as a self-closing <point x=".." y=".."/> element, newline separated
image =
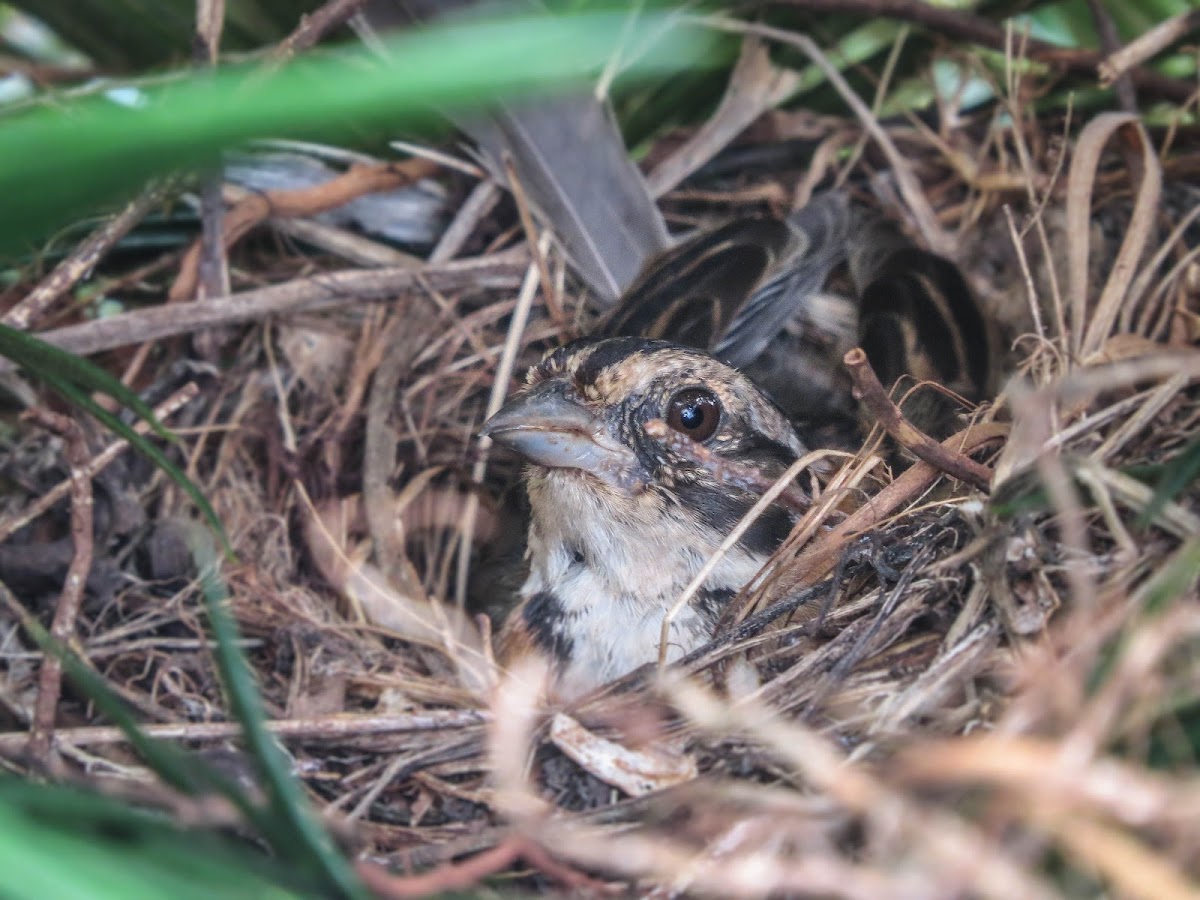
<point x="70" y="845"/>
<point x="76" y="378"/>
<point x="309" y="842"/>
<point x="1176" y="475"/>
<point x="39" y="358"/>
<point x="79" y="396"/>
<point x="182" y="770"/>
<point x="61" y="161"/>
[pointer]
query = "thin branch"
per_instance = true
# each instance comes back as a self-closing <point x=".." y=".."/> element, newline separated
<point x="315" y="25"/>
<point x="83" y="258"/>
<point x="62" y="629"/>
<point x="1110" y="43"/>
<point x="323" y="291"/>
<point x="338" y="727"/>
<point x="531" y="238"/>
<point x="1147" y="45"/>
<point x="868" y="390"/>
<point x="478" y="204"/>
<point x="814" y="562"/>
<point x="97" y="464"/>
<point x="307" y="201"/>
<point x="465" y="874"/>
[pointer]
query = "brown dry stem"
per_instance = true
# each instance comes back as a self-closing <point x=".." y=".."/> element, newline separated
<point x="870" y="392"/>
<point x="68" y="273"/>
<point x="359" y="180"/>
<point x="62" y="628"/>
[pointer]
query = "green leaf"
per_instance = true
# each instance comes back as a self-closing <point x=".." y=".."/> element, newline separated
<point x="1174" y="735"/>
<point x="76" y="378"/>
<point x="308" y="842"/>
<point x="1176" y="475"/>
<point x="288" y="824"/>
<point x="58" y="162"/>
<point x="1174" y="579"/>
<point x="178" y="768"/>
<point x="39" y="358"/>
<point x="67" y="844"/>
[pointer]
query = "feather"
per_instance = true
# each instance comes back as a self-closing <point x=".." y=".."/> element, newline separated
<point x="571" y="160"/>
<point x="692" y="293"/>
<point x="732" y="290"/>
<point x="818" y="233"/>
<point x="573" y="165"/>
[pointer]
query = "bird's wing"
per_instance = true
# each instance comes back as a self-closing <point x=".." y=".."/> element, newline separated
<point x="692" y="293"/>
<point x="818" y="234"/>
<point x="917" y="315"/>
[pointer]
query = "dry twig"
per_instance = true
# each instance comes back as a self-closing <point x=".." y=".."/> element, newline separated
<point x="359" y="180"/>
<point x="62" y="629"/>
<point x="9" y="526"/>
<point x="322" y="291"/>
<point x="83" y="259"/>
<point x="868" y="390"/>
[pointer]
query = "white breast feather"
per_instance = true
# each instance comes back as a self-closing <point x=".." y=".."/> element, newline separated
<point x="634" y="570"/>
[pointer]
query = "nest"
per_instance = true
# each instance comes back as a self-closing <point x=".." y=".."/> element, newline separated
<point x="958" y="694"/>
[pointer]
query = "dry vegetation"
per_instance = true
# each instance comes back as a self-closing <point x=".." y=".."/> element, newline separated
<point x="961" y="695"/>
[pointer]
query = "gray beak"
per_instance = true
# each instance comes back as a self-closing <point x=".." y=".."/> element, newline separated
<point x="550" y="429"/>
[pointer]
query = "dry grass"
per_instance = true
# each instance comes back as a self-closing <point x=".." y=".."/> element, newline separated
<point x="972" y="704"/>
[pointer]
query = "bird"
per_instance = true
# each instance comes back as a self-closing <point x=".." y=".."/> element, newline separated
<point x="621" y="522"/>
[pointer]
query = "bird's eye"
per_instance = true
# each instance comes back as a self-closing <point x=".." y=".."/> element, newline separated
<point x="695" y="412"/>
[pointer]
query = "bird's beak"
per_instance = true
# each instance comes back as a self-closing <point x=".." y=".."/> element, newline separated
<point x="550" y="429"/>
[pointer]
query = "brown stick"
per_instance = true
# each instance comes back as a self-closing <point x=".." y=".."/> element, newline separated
<point x="447" y="877"/>
<point x="62" y="629"/>
<point x="870" y="392"/>
<point x="82" y="259"/>
<point x="322" y="291"/>
<point x="964" y="26"/>
<point x="339" y="727"/>
<point x="314" y="26"/>
<point x="1147" y="45"/>
<point x="212" y="266"/>
<point x="1110" y="43"/>
<point x="531" y="238"/>
<point x="97" y="464"/>
<point x="815" y="562"/>
<point x="458" y="876"/>
<point x="309" y="201"/>
<point x="483" y="197"/>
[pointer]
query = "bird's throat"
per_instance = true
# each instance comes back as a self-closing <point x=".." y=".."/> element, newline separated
<point x="603" y="576"/>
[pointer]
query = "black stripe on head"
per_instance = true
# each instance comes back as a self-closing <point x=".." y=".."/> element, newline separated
<point x="556" y="361"/>
<point x="721" y="507"/>
<point x="546" y="620"/>
<point x="608" y="353"/>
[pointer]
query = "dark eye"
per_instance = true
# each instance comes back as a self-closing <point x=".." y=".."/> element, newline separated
<point x="695" y="412"/>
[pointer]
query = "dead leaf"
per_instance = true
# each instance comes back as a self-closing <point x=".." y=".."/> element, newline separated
<point x="636" y="772"/>
<point x="755" y="86"/>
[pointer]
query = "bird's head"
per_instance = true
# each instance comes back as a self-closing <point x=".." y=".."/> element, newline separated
<point x="585" y="411"/>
